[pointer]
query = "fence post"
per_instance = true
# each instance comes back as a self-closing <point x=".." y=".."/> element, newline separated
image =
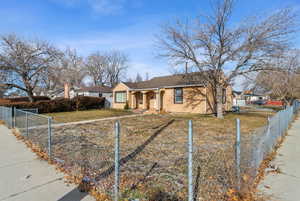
<point x="26" y="124"/>
<point x="190" y="162"/>
<point x="238" y="153"/>
<point x="117" y="160"/>
<point x="269" y="126"/>
<point x="279" y="122"/>
<point x="15" y="118"/>
<point x="49" y="136"/>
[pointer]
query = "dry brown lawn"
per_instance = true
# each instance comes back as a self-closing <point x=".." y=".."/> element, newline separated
<point x="154" y="162"/>
<point x="64" y="117"/>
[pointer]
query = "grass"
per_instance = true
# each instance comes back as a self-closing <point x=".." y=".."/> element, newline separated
<point x="273" y="107"/>
<point x="249" y="120"/>
<point x="64" y="117"/>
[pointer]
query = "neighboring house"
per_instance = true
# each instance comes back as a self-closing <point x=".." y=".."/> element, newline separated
<point x="97" y="91"/>
<point x="251" y="96"/>
<point x="71" y="92"/>
<point x="56" y="93"/>
<point x="238" y="98"/>
<point x="175" y="93"/>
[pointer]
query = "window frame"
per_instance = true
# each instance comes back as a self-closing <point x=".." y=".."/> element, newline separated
<point x="117" y="92"/>
<point x="175" y="95"/>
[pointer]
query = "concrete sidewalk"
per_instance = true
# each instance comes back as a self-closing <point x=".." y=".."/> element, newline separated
<point x="285" y="186"/>
<point x="23" y="177"/>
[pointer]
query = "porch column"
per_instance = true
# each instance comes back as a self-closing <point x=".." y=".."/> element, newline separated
<point x="133" y="100"/>
<point x="144" y="99"/>
<point x="157" y="95"/>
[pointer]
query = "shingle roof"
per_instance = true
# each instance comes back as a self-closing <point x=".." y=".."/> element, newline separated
<point x="100" y="89"/>
<point x="169" y="81"/>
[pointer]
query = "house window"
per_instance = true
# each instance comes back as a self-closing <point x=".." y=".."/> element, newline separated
<point x="224" y="96"/>
<point x="120" y="97"/>
<point x="178" y="96"/>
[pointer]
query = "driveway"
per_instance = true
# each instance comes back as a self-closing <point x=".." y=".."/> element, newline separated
<point x="23" y="177"/>
<point x="284" y="186"/>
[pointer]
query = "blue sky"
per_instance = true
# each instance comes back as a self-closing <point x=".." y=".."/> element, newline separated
<point x="128" y="25"/>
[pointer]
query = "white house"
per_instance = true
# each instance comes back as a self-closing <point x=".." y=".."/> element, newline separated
<point x="97" y="91"/>
<point x="238" y="98"/>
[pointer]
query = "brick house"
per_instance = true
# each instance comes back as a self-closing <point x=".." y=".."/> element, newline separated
<point x="182" y="93"/>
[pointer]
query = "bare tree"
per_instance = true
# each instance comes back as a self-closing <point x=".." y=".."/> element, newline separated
<point x="24" y="61"/>
<point x="96" y="68"/>
<point x="147" y="76"/>
<point x="129" y="79"/>
<point x="283" y="84"/>
<point x="51" y="80"/>
<point x="138" y="78"/>
<point x="212" y="45"/>
<point x="72" y="68"/>
<point x="3" y="77"/>
<point x="116" y="66"/>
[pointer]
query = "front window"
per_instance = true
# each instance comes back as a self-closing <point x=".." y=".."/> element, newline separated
<point x="120" y="97"/>
<point x="178" y="95"/>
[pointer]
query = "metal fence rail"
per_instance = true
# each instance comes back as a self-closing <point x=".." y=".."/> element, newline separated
<point x="109" y="157"/>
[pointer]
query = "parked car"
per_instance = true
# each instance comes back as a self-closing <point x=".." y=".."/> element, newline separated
<point x="236" y="109"/>
<point x="259" y="102"/>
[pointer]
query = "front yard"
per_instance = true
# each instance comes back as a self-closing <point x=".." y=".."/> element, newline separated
<point x="153" y="160"/>
<point x="64" y="117"/>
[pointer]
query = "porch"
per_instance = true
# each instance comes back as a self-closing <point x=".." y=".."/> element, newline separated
<point x="147" y="99"/>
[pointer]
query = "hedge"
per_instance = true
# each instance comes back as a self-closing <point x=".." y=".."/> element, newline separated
<point x="24" y="99"/>
<point x="61" y="105"/>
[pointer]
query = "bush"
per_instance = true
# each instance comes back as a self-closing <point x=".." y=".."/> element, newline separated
<point x="26" y="99"/>
<point x="86" y="102"/>
<point x="4" y="101"/>
<point x="126" y="106"/>
<point x="60" y="105"/>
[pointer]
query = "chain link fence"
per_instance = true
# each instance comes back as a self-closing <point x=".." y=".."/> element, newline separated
<point x="33" y="127"/>
<point x="6" y="116"/>
<point x="257" y="146"/>
<point x="154" y="157"/>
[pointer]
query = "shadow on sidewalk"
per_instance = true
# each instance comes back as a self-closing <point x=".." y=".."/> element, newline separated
<point x="74" y="195"/>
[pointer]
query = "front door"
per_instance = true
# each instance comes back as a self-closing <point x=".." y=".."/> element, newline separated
<point x="139" y="100"/>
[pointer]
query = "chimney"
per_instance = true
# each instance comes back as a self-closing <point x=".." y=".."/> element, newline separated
<point x="67" y="90"/>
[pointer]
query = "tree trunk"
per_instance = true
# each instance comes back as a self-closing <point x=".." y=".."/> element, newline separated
<point x="30" y="96"/>
<point x="219" y="102"/>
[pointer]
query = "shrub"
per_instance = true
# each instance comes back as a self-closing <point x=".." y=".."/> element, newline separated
<point x="126" y="106"/>
<point x="4" y="101"/>
<point x="87" y="102"/>
<point x="26" y="99"/>
<point x="60" y="105"/>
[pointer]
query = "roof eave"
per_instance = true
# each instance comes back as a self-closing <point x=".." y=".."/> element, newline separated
<point x="185" y="85"/>
<point x="172" y="86"/>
